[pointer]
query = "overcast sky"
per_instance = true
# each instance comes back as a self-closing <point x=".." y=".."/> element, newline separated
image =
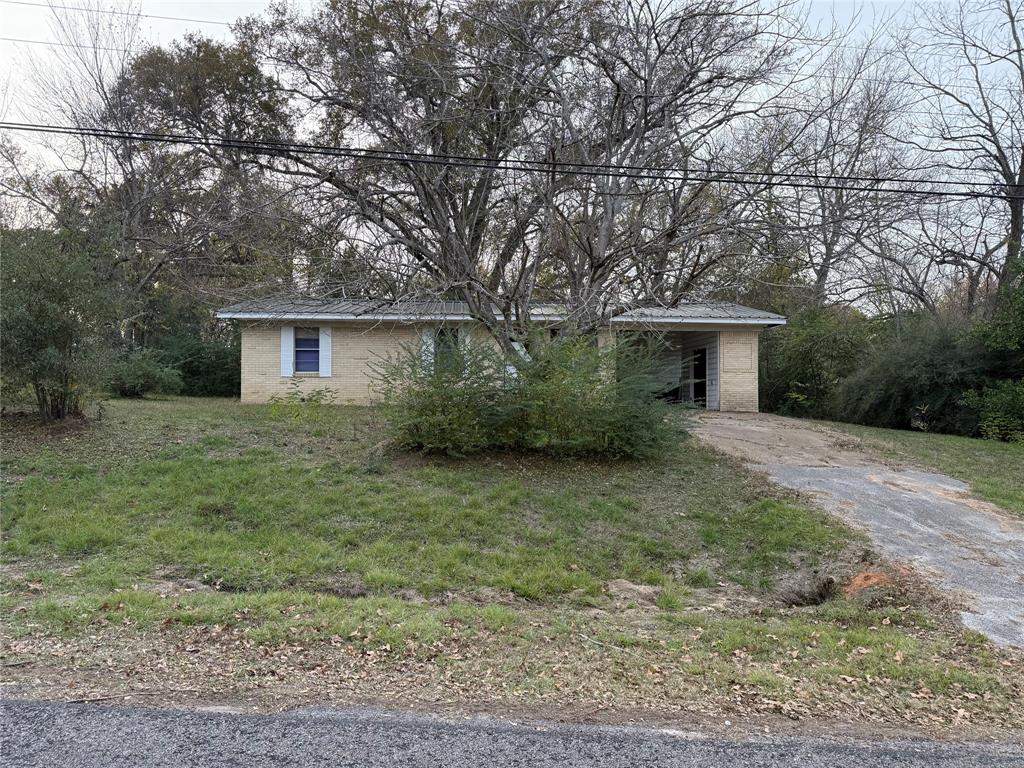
<point x="32" y="19"/>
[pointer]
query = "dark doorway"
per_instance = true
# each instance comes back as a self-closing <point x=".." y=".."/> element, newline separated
<point x="700" y="376"/>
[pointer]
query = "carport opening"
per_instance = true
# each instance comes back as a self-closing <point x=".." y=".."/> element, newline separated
<point x="686" y="368"/>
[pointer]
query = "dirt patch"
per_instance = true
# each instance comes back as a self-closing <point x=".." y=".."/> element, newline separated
<point x="622" y="591"/>
<point x="478" y="596"/>
<point x="29" y="425"/>
<point x="21" y="570"/>
<point x="172" y="587"/>
<point x="866" y="580"/>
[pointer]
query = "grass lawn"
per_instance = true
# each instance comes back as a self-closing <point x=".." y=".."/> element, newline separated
<point x="994" y="470"/>
<point x="186" y="549"/>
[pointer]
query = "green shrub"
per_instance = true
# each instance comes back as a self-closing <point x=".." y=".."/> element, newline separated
<point x="55" y="315"/>
<point x="1000" y="410"/>
<point x="140" y="372"/>
<point x="569" y="399"/>
<point x="804" y="362"/>
<point x="918" y="380"/>
<point x="461" y="405"/>
<point x="208" y="367"/>
<point x="574" y="399"/>
<point x="301" y="405"/>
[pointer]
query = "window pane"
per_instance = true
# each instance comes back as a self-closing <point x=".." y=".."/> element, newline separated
<point x="446" y="340"/>
<point x="307" y="360"/>
<point x="307" y="338"/>
<point x="447" y="355"/>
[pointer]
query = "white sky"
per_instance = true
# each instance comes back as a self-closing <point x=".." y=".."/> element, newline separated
<point x="32" y="22"/>
<point x="35" y="23"/>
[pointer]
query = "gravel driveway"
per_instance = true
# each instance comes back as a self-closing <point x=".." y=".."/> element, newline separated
<point x="929" y="521"/>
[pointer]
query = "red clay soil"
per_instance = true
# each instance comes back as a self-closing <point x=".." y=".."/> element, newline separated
<point x="866" y="580"/>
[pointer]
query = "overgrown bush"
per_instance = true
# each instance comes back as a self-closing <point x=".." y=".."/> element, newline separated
<point x="999" y="409"/>
<point x="208" y="367"/>
<point x="938" y="372"/>
<point x="458" y="405"/>
<point x="918" y="380"/>
<point x="140" y="372"/>
<point x="574" y="398"/>
<point x="569" y="399"/>
<point x="54" y="313"/>
<point x="804" y="362"/>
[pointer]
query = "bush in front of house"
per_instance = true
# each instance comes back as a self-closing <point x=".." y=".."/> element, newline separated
<point x="575" y="399"/>
<point x="457" y="405"/>
<point x="140" y="372"/>
<point x="568" y="399"/>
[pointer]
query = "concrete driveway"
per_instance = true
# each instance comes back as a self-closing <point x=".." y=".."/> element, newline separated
<point x="929" y="521"/>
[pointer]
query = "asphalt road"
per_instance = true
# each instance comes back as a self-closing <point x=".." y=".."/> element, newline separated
<point x="79" y="735"/>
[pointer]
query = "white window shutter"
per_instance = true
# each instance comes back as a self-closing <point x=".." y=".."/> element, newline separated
<point x="287" y="351"/>
<point x="427" y="347"/>
<point x="325" y="352"/>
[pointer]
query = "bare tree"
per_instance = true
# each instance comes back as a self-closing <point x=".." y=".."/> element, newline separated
<point x="618" y="104"/>
<point x="838" y="144"/>
<point x="649" y="94"/>
<point x="969" y="59"/>
<point x="423" y="80"/>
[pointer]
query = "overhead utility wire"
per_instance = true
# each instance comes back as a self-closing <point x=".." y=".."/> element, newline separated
<point x="112" y="12"/>
<point x="72" y="45"/>
<point x="540" y="164"/>
<point x="592" y="169"/>
<point x="86" y="9"/>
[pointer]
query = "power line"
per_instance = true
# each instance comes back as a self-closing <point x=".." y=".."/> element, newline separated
<point x="72" y="45"/>
<point x="115" y="13"/>
<point x="547" y="165"/>
<point x="286" y="149"/>
<point x="228" y="24"/>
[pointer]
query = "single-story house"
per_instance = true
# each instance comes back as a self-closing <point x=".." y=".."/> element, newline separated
<point x="709" y="355"/>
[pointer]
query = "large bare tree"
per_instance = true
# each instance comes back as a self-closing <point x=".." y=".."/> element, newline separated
<point x="557" y="147"/>
<point x="968" y="59"/>
<point x="649" y="94"/>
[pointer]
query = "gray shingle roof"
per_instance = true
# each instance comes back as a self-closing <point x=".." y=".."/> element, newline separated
<point x="420" y="310"/>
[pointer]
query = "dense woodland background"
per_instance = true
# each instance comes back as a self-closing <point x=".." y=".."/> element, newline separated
<point x="598" y="154"/>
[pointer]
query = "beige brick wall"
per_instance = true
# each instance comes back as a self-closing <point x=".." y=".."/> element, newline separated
<point x="354" y="348"/>
<point x="738" y="369"/>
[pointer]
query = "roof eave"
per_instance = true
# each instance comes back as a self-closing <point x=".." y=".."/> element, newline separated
<point x="767" y="321"/>
<point x="423" y="318"/>
<point x="333" y="317"/>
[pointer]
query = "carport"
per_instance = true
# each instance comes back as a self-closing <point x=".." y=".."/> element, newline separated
<point x="687" y="367"/>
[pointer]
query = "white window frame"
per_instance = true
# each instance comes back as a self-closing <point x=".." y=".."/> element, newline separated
<point x="324" y="360"/>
